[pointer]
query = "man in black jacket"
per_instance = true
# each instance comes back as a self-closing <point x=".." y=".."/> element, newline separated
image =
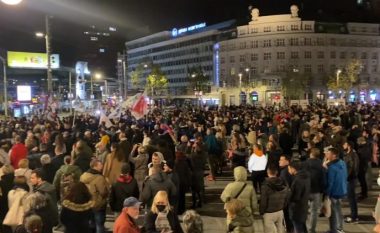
<point x="317" y="183"/>
<point x="274" y="194"/>
<point x="299" y="196"/>
<point x="352" y="162"/>
<point x="365" y="154"/>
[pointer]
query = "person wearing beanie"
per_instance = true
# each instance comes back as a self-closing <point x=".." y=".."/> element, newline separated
<point x="125" y="186"/>
<point x="126" y="222"/>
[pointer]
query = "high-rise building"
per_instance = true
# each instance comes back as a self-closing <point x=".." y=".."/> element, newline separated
<point x="176" y="52"/>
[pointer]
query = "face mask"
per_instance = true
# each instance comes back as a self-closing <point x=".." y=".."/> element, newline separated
<point x="378" y="181"/>
<point x="161" y="208"/>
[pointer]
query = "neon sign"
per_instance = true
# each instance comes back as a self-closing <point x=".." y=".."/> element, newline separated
<point x="177" y="32"/>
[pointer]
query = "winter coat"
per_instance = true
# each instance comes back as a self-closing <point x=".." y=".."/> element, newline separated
<point x="76" y="217"/>
<point x="365" y="153"/>
<point x="247" y="196"/>
<point x="150" y="219"/>
<point x="6" y="185"/>
<point x="242" y="223"/>
<point x="126" y="147"/>
<point x="274" y="195"/>
<point x="65" y="170"/>
<point x="124" y="187"/>
<point x="336" y="184"/>
<point x="155" y="183"/>
<point x="112" y="168"/>
<point x="141" y="168"/>
<point x="317" y="175"/>
<point x="183" y="168"/>
<point x="18" y="152"/>
<point x="48" y="171"/>
<point x="49" y="191"/>
<point x="198" y="160"/>
<point x="125" y="224"/>
<point x="299" y="197"/>
<point x="352" y="163"/>
<point x="98" y="187"/>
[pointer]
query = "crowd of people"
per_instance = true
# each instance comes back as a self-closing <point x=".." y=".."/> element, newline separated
<point x="69" y="173"/>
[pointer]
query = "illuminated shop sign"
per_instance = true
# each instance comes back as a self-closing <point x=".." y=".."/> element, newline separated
<point x="177" y="32"/>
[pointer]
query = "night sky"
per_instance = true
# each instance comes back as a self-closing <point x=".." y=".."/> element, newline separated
<point x="136" y="18"/>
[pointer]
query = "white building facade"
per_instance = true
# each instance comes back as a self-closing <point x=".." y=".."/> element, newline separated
<point x="177" y="51"/>
<point x="270" y="46"/>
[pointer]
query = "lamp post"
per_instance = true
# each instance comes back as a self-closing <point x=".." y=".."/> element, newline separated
<point x="240" y="77"/>
<point x="11" y="2"/>
<point x="5" y="85"/>
<point x="48" y="52"/>
<point x="337" y="79"/>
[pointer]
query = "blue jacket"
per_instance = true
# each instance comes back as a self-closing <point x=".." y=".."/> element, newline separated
<point x="336" y="179"/>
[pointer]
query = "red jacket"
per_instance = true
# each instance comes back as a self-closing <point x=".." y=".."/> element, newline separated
<point x="125" y="224"/>
<point x="19" y="151"/>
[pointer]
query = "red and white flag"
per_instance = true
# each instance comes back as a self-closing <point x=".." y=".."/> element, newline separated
<point x="140" y="107"/>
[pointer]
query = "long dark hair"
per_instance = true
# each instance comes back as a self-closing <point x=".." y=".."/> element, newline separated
<point x="79" y="193"/>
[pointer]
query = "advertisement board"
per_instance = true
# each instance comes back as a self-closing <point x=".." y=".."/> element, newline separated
<point x="24" y="93"/>
<point x="31" y="60"/>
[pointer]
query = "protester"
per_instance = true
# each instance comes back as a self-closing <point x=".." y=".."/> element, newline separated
<point x="336" y="187"/>
<point x="32" y="224"/>
<point x="274" y="197"/>
<point x="17" y="152"/>
<point x="140" y="163"/>
<point x="113" y="163"/>
<point x="65" y="177"/>
<point x="47" y="168"/>
<point x="256" y="166"/>
<point x="161" y="217"/>
<point x="299" y="196"/>
<point x="6" y="185"/>
<point x="183" y="168"/>
<point x="125" y="186"/>
<point x="126" y="222"/>
<point x="77" y="209"/>
<point x="192" y="222"/>
<point x="157" y="181"/>
<point x="99" y="189"/>
<point x="317" y="184"/>
<point x="241" y="190"/>
<point x="37" y="203"/>
<point x="239" y="219"/>
<point x="352" y="163"/>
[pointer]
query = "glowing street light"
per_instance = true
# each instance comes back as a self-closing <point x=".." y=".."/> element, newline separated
<point x="40" y="34"/>
<point x="98" y="75"/>
<point x="11" y="2"/>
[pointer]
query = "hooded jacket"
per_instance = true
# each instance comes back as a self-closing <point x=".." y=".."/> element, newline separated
<point x="247" y="196"/>
<point x="124" y="187"/>
<point x="352" y="164"/>
<point x="66" y="169"/>
<point x="75" y="217"/>
<point x="336" y="184"/>
<point x="274" y="195"/>
<point x="299" y="196"/>
<point x="49" y="191"/>
<point x="155" y="183"/>
<point x="242" y="223"/>
<point x="98" y="187"/>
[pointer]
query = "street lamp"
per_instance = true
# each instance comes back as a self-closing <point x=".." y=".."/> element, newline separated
<point x="11" y="2"/>
<point x="97" y="76"/>
<point x="337" y="77"/>
<point x="48" y="50"/>
<point x="5" y="85"/>
<point x="240" y="77"/>
<point x="249" y="74"/>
